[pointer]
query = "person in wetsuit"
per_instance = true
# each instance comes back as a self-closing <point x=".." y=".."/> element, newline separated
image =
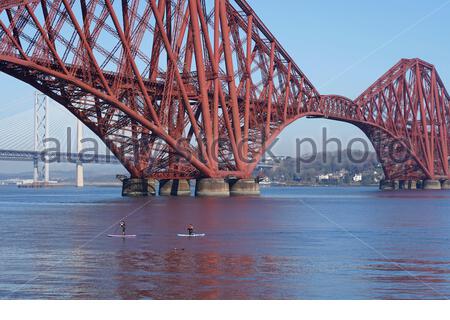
<point x="190" y="229"/>
<point x="123" y="226"/>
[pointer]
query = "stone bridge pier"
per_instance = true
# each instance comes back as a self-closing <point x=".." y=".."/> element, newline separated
<point x="205" y="187"/>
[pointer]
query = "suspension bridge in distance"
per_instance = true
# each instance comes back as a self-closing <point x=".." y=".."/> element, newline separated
<point x="42" y="146"/>
<point x="199" y="89"/>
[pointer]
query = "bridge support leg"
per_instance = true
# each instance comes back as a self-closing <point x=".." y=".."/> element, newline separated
<point x="420" y="184"/>
<point x="212" y="188"/>
<point x="138" y="187"/>
<point x="80" y="176"/>
<point x="244" y="187"/>
<point x="431" y="185"/>
<point x="178" y="187"/>
<point x="396" y="184"/>
<point x="445" y="185"/>
<point x="35" y="171"/>
<point x="412" y="185"/>
<point x="389" y="185"/>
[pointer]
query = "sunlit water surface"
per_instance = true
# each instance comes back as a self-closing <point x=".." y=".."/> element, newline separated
<point x="290" y="243"/>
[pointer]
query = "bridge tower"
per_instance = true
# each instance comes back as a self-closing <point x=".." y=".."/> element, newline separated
<point x="41" y="135"/>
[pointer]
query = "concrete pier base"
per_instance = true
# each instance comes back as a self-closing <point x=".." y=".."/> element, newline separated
<point x="420" y="184"/>
<point x="396" y="185"/>
<point x="138" y="187"/>
<point x="407" y="185"/>
<point x="389" y="185"/>
<point x="412" y="185"/>
<point x="174" y="188"/>
<point x="445" y="185"/>
<point x="403" y="185"/>
<point x="432" y="185"/>
<point x="244" y="187"/>
<point x="80" y="176"/>
<point x="212" y="188"/>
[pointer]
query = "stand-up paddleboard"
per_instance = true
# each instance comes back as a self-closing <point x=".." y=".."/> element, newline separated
<point x="192" y="235"/>
<point x="122" y="236"/>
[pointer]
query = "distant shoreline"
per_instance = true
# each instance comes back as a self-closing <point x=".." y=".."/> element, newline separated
<point x="318" y="185"/>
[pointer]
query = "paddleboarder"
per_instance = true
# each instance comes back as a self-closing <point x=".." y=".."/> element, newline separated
<point x="190" y="229"/>
<point x="123" y="226"/>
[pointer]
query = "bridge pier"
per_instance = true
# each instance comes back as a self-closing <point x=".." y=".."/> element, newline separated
<point x="412" y="185"/>
<point x="212" y="188"/>
<point x="80" y="175"/>
<point x="389" y="185"/>
<point x="244" y="187"/>
<point x="419" y="184"/>
<point x="138" y="187"/>
<point x="35" y="170"/>
<point x="407" y="185"/>
<point x="392" y="185"/>
<point x="403" y="185"/>
<point x="432" y="185"/>
<point x="445" y="184"/>
<point x="177" y="187"/>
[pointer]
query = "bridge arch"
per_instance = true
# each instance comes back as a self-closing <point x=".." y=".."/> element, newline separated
<point x="84" y="99"/>
<point x="394" y="154"/>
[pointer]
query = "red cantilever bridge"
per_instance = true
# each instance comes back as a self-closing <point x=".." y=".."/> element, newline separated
<point x="185" y="89"/>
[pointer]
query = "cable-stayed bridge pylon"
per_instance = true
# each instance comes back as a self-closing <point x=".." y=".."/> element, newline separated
<point x="49" y="141"/>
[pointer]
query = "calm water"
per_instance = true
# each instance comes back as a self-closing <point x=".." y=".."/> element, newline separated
<point x="293" y="243"/>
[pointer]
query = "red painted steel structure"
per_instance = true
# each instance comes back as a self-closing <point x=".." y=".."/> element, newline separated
<point x="195" y="88"/>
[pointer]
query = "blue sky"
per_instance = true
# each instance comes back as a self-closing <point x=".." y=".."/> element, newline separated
<point x="342" y="46"/>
